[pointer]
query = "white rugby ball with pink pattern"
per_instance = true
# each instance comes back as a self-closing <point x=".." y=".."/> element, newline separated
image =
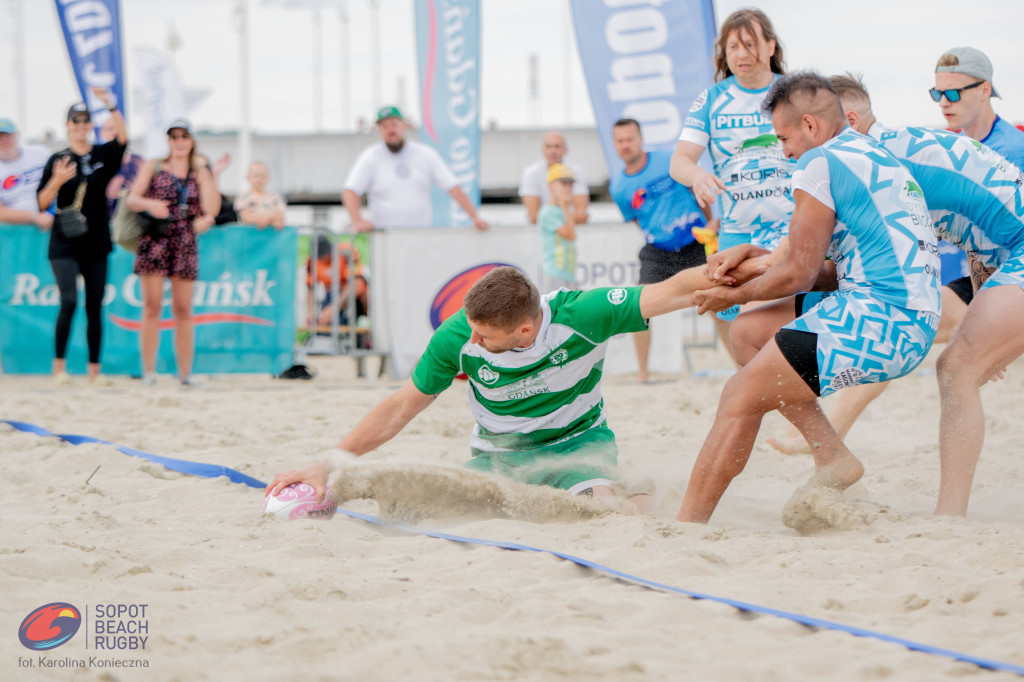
<point x="298" y="501"/>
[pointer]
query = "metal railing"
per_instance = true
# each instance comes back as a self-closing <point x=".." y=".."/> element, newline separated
<point x="337" y="338"/>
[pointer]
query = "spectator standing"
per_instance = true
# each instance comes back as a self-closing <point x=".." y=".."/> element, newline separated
<point x="256" y="206"/>
<point x="533" y="187"/>
<point x="21" y="168"/>
<point x="664" y="210"/>
<point x="396" y="175"/>
<point x="752" y="177"/>
<point x="557" y="223"/>
<point x="964" y="91"/>
<point x="77" y="178"/>
<point x="180" y="191"/>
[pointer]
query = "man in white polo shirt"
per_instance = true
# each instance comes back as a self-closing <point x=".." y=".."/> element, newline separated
<point x="20" y="170"/>
<point x="397" y="175"/>
<point x="533" y="187"/>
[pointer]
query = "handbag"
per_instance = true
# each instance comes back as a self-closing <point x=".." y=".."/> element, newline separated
<point x="154" y="227"/>
<point x="71" y="221"/>
<point x="127" y="224"/>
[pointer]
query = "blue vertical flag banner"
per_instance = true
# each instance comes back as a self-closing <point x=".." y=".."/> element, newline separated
<point x="448" y="49"/>
<point x="92" y="33"/>
<point x="644" y="60"/>
<point x="243" y="306"/>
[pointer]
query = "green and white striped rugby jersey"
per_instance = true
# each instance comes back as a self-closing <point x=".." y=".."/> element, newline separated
<point x="544" y="394"/>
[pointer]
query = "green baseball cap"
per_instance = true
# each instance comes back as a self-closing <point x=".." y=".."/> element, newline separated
<point x="389" y="112"/>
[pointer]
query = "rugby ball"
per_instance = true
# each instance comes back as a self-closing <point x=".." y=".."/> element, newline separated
<point x="298" y="501"/>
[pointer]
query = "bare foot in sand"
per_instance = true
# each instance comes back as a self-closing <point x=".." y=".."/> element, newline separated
<point x="819" y="504"/>
<point x="840" y="474"/>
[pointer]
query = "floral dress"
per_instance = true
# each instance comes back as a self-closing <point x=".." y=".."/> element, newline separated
<point x="176" y="253"/>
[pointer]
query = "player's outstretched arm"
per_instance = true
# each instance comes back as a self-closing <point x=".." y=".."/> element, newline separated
<point x="377" y="427"/>
<point x="797" y="270"/>
<point x="387" y="419"/>
<point x="674" y="293"/>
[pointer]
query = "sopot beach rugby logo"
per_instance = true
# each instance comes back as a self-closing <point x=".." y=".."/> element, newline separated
<point x="50" y="626"/>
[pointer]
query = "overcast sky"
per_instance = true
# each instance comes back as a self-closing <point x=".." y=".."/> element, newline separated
<point x="894" y="43"/>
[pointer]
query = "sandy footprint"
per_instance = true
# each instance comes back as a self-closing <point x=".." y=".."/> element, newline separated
<point x="412" y="492"/>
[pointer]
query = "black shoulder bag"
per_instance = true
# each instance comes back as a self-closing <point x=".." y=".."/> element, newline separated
<point x="71" y="221"/>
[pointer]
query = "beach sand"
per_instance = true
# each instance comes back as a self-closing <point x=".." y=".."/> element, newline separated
<point x="233" y="595"/>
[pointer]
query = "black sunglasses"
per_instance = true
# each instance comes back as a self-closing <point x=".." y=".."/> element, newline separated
<point x="951" y="95"/>
<point x="81" y="119"/>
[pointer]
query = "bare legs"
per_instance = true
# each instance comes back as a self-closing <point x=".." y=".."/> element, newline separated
<point x="642" y="342"/>
<point x="742" y="406"/>
<point x="184" y="326"/>
<point x="990" y="336"/>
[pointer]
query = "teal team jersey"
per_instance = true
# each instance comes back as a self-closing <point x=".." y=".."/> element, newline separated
<point x="973" y="194"/>
<point x="747" y="156"/>
<point x="539" y="395"/>
<point x="558" y="253"/>
<point x="883" y="243"/>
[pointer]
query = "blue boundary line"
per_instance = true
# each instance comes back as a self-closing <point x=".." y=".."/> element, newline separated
<point x="214" y="471"/>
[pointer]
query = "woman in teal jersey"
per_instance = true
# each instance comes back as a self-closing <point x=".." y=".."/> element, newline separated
<point x="751" y="178"/>
<point x="748" y="55"/>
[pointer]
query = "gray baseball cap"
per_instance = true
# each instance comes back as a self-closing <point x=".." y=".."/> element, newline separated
<point x="972" y="62"/>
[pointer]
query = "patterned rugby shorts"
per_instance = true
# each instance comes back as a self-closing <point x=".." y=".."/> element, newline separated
<point x="849" y="338"/>
<point x="1010" y="272"/>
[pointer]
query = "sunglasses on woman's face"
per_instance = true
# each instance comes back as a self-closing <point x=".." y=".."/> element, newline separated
<point x="180" y="136"/>
<point x="79" y="120"/>
<point x="951" y="95"/>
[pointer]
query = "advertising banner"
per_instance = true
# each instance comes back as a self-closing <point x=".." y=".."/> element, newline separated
<point x="448" y="50"/>
<point x="92" y="33"/>
<point x="159" y="98"/>
<point x="646" y="61"/>
<point x="243" y="306"/>
<point x="423" y="291"/>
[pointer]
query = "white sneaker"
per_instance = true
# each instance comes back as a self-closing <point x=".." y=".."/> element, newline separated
<point x="190" y="382"/>
<point x="149" y="379"/>
<point x="62" y="379"/>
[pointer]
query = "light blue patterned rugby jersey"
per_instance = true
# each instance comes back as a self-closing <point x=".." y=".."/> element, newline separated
<point x="883" y="243"/>
<point x="728" y="121"/>
<point x="973" y="194"/>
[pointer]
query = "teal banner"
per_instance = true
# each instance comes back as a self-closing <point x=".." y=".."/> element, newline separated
<point x="243" y="306"/>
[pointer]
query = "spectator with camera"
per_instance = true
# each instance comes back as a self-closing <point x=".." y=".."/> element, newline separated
<point x="74" y="182"/>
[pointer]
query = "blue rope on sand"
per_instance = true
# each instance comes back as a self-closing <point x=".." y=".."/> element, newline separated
<point x="214" y="471"/>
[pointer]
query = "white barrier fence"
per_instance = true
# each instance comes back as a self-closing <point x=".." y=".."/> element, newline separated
<point x="412" y="267"/>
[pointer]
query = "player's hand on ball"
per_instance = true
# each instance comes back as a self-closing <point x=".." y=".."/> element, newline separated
<point x="314" y="475"/>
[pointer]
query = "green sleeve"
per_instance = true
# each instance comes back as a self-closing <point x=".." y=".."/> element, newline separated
<point x="437" y="367"/>
<point x="602" y="313"/>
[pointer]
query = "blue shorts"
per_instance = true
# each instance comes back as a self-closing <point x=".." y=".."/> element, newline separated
<point x="1010" y="272"/>
<point x="850" y="338"/>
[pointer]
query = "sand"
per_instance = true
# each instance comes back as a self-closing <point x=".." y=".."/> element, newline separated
<point x="232" y="595"/>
